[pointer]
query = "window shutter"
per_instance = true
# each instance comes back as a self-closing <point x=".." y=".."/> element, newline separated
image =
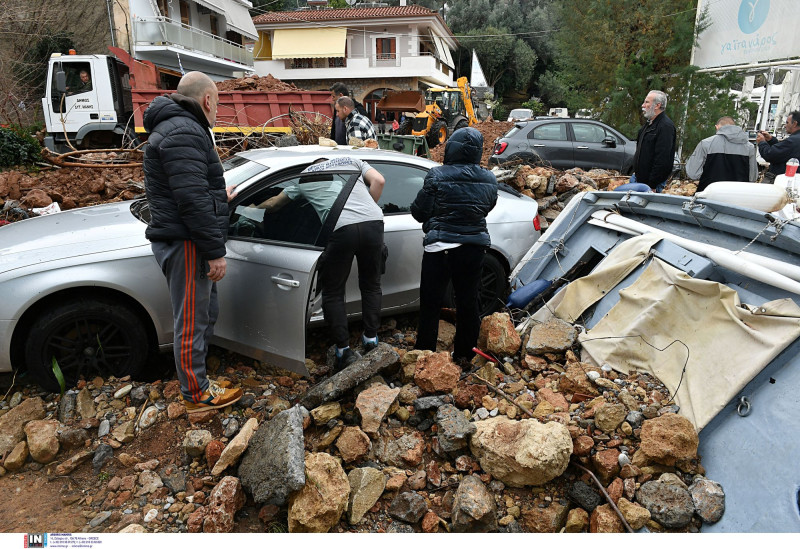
<point x="379" y="46"/>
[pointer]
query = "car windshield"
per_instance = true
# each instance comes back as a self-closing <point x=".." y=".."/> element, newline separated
<point x="520" y="113"/>
<point x="239" y="169"/>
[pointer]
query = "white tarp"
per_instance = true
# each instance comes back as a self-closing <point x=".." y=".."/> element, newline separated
<point x="692" y="334"/>
<point x="477" y="78"/>
<point x="743" y="32"/>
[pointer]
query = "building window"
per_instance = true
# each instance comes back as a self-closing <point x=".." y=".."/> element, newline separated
<point x="337" y="62"/>
<point x="234" y="37"/>
<point x="385" y="48"/>
<point x="212" y="19"/>
<point x="185" y="19"/>
<point x="301" y="64"/>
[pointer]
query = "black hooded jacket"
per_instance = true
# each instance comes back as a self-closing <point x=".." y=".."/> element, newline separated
<point x="184" y="177"/>
<point x="655" y="151"/>
<point x="456" y="197"/>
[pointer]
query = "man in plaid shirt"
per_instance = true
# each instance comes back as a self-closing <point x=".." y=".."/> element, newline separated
<point x="357" y="124"/>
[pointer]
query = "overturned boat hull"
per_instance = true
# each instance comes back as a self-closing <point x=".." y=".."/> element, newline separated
<point x="748" y="422"/>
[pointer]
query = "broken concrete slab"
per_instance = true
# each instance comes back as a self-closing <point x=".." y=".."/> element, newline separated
<point x="381" y="358"/>
<point x="273" y="466"/>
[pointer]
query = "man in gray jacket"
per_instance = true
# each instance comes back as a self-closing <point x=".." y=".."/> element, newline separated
<point x="726" y="156"/>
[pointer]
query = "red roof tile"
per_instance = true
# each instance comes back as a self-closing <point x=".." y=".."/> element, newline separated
<point x="340" y="14"/>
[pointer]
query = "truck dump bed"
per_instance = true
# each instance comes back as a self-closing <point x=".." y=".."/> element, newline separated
<point x="249" y="112"/>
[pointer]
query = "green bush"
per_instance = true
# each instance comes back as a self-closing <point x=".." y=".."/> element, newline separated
<point x="535" y="106"/>
<point x="499" y="112"/>
<point x="18" y="148"/>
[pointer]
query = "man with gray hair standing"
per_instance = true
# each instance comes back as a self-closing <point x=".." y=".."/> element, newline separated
<point x="188" y="226"/>
<point x="655" y="144"/>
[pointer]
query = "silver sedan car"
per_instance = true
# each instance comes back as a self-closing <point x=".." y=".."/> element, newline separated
<point x="83" y="295"/>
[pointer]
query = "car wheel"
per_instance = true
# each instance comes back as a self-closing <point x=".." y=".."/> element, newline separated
<point x="493" y="290"/>
<point x="87" y="337"/>
<point x="438" y="134"/>
<point x="462" y="124"/>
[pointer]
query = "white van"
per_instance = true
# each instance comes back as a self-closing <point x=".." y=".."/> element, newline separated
<point x="559" y="112"/>
<point x="519" y="114"/>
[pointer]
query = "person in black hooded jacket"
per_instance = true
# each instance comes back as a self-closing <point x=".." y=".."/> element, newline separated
<point x="452" y="207"/>
<point x="188" y="204"/>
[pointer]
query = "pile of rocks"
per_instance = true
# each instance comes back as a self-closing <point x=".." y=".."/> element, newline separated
<point x="553" y="188"/>
<point x="401" y="441"/>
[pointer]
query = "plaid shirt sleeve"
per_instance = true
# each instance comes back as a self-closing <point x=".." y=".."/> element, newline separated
<point x="360" y="126"/>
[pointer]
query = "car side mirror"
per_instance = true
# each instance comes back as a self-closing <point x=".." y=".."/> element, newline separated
<point x="609" y="142"/>
<point x="61" y="82"/>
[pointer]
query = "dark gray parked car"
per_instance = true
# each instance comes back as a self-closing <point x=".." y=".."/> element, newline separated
<point x="565" y="143"/>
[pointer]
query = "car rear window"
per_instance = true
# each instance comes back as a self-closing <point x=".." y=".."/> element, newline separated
<point x="514" y="130"/>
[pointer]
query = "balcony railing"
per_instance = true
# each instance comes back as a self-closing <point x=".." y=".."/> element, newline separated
<point x="316" y="63"/>
<point x="162" y="31"/>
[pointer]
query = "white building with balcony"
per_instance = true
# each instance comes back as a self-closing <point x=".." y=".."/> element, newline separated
<point x="369" y="49"/>
<point x="179" y="36"/>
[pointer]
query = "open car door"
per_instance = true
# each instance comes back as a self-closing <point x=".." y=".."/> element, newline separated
<point x="272" y="261"/>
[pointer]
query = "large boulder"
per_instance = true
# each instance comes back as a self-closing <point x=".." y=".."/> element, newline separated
<point x="366" y="487"/>
<point x="236" y="447"/>
<point x="273" y="464"/>
<point x="42" y="436"/>
<point x="669" y="440"/>
<point x="498" y="335"/>
<point x="224" y="501"/>
<point x="453" y="427"/>
<point x="400" y="449"/>
<point x="12" y="424"/>
<point x="553" y="336"/>
<point x="669" y="504"/>
<point x="374" y="404"/>
<point x="319" y="505"/>
<point x="474" y="508"/>
<point x="521" y="453"/>
<point x="436" y="373"/>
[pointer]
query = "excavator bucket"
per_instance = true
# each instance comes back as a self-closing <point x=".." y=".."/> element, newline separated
<point x="402" y="101"/>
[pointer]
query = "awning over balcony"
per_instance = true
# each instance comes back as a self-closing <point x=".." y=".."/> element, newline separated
<point x="442" y="50"/>
<point x="214" y="5"/>
<point x="308" y="43"/>
<point x="239" y="19"/>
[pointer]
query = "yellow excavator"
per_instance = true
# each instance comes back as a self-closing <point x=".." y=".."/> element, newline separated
<point x="440" y="112"/>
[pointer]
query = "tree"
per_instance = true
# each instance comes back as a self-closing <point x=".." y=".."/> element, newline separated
<point x="29" y="31"/>
<point x="507" y="61"/>
<point x="261" y="6"/>
<point x="530" y="21"/>
<point x="611" y="53"/>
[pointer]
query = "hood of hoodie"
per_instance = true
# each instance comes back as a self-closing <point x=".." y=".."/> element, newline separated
<point x="734" y="134"/>
<point x="168" y="106"/>
<point x="465" y="146"/>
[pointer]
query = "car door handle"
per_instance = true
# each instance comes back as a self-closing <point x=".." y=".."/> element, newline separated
<point x="285" y="281"/>
<point x="539" y="145"/>
<point x="582" y="147"/>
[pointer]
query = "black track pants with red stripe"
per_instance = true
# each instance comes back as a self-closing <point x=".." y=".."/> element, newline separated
<point x="194" y="309"/>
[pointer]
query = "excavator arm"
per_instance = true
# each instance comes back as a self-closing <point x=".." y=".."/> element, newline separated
<point x="466" y="96"/>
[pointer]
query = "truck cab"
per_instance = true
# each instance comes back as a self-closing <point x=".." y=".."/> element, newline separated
<point x="88" y="103"/>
